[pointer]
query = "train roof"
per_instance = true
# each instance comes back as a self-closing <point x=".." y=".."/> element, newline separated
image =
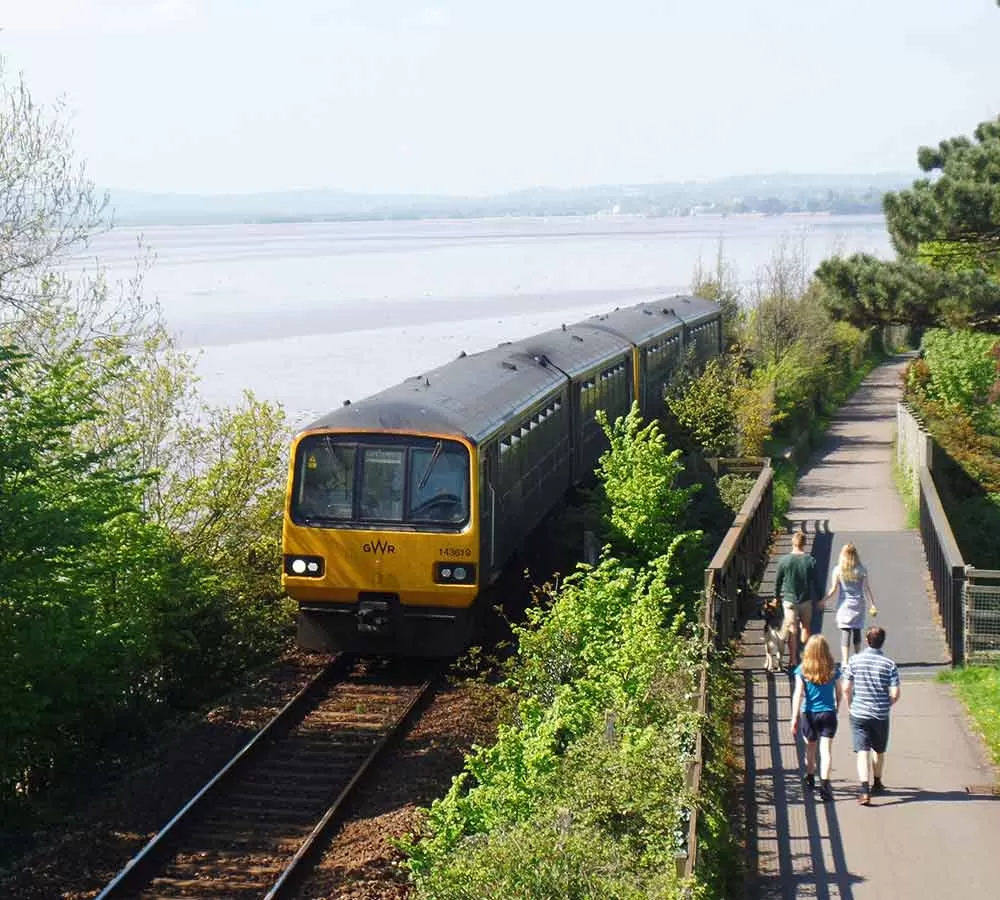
<point x="573" y="349"/>
<point x="646" y="321"/>
<point x="470" y="396"/>
<point x="475" y="394"/>
<point x="694" y="310"/>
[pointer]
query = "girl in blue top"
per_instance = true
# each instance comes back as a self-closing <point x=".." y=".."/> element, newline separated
<point x="817" y="698"/>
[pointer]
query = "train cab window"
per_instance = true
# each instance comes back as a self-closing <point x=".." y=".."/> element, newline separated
<point x="439" y="484"/>
<point x="326" y="479"/>
<point x="380" y="478"/>
<point x="382" y="483"/>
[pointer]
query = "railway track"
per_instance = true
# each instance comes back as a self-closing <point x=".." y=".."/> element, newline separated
<point x="253" y="829"/>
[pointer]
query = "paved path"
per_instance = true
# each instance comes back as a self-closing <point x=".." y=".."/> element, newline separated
<point x="936" y="832"/>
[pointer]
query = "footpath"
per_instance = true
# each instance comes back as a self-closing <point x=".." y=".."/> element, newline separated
<point x="935" y="833"/>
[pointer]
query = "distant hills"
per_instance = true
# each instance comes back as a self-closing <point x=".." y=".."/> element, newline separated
<point x="767" y="194"/>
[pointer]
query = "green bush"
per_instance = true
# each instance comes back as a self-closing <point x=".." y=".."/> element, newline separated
<point x="607" y="828"/>
<point x="734" y="490"/>
<point x="967" y="473"/>
<point x="584" y="795"/>
<point x="725" y="410"/>
<point x="79" y="572"/>
<point x="141" y="532"/>
<point x="962" y="372"/>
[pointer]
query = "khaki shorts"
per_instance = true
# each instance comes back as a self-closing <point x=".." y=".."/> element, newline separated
<point x="796" y="614"/>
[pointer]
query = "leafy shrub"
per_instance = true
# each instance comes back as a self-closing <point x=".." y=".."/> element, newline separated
<point x="642" y="506"/>
<point x="725" y="410"/>
<point x="734" y="490"/>
<point x="79" y="571"/>
<point x="960" y="374"/>
<point x="606" y="829"/>
<point x="967" y="473"/>
<point x="139" y="562"/>
<point x="583" y="795"/>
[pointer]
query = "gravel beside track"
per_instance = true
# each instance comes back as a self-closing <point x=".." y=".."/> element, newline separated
<point x="106" y="824"/>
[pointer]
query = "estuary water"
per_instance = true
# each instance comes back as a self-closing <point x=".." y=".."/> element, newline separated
<point x="312" y="314"/>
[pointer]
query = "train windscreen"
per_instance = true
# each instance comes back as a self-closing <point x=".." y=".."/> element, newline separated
<point x="343" y="479"/>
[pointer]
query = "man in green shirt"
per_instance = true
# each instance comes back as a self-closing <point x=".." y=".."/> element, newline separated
<point x="796" y="586"/>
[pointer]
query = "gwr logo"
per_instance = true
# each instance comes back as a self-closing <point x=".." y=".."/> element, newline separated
<point x="379" y="546"/>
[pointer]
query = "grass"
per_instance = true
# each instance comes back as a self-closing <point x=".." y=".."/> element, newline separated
<point x="786" y="474"/>
<point x="979" y="689"/>
<point x="905" y="490"/>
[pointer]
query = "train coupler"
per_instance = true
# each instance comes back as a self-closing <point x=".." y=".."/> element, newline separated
<point x="373" y="617"/>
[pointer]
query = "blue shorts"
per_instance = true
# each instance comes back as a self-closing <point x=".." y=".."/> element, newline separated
<point x="870" y="734"/>
<point x="819" y="724"/>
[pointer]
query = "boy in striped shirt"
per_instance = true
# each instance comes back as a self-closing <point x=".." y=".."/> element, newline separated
<point x="872" y="688"/>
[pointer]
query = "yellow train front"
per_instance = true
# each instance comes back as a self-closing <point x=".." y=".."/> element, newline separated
<point x="381" y="545"/>
<point x="401" y="508"/>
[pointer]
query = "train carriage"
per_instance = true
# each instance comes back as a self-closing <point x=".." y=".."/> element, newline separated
<point x="402" y="507"/>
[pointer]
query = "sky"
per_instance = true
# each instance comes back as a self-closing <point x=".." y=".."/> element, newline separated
<point x="473" y="97"/>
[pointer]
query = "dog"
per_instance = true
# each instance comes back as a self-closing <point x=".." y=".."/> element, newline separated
<point x="774" y="634"/>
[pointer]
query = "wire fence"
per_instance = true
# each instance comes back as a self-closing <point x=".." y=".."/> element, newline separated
<point x="981" y="602"/>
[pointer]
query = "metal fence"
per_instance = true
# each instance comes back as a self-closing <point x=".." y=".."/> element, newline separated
<point x="968" y="598"/>
<point x="945" y="562"/>
<point x="737" y="563"/>
<point x="982" y="615"/>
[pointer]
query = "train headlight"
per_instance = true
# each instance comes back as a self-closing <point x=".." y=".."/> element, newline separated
<point x="446" y="573"/>
<point x="304" y="566"/>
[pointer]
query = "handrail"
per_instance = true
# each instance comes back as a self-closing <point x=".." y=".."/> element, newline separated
<point x="935" y="509"/>
<point x="739" y="557"/>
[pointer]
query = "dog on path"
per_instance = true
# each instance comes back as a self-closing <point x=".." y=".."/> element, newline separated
<point x="774" y="635"/>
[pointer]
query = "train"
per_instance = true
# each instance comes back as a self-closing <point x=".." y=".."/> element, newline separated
<point x="402" y="508"/>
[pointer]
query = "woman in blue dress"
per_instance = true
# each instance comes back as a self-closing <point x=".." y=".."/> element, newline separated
<point x="817" y="699"/>
<point x="849" y="582"/>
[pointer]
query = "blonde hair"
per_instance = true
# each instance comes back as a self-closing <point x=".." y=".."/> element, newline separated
<point x="799" y="540"/>
<point x="849" y="565"/>
<point x="817" y="661"/>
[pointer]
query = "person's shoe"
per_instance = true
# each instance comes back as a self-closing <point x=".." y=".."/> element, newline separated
<point x="878" y="787"/>
<point x="809" y="781"/>
<point x="825" y="791"/>
<point x="864" y="799"/>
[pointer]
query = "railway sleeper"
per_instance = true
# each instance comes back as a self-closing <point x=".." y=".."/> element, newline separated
<point x="207" y="889"/>
<point x="227" y="840"/>
<point x="224" y="866"/>
<point x="307" y="768"/>
<point x="331" y="748"/>
<point x="346" y="718"/>
<point x="265" y="814"/>
<point x="225" y="881"/>
<point x="221" y="835"/>
<point x="254" y="799"/>
<point x="187" y="866"/>
<point x="335" y="717"/>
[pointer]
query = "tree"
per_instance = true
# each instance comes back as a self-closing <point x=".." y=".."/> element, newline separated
<point x="946" y="232"/>
<point x="47" y="204"/>
<point x="140" y="551"/>
<point x="722" y="285"/>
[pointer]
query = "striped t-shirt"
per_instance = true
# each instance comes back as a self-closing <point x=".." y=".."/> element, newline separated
<point x="872" y="673"/>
